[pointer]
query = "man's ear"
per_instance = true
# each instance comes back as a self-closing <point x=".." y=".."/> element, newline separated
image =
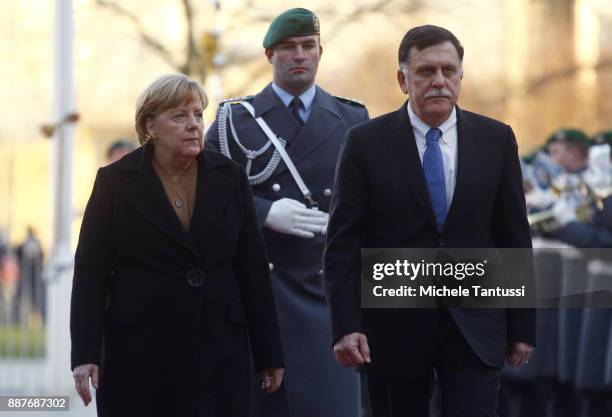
<point x="401" y="80"/>
<point x="269" y="53"/>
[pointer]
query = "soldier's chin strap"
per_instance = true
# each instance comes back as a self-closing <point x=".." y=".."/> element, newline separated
<point x="283" y="153"/>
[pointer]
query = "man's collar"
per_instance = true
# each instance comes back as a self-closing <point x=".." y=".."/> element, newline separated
<point x="307" y="96"/>
<point x="422" y="127"/>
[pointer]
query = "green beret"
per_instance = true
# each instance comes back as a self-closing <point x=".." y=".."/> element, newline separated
<point x="569" y="136"/>
<point x="603" y="138"/>
<point x="294" y="22"/>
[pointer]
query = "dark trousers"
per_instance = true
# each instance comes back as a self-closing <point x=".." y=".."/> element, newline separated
<point x="469" y="388"/>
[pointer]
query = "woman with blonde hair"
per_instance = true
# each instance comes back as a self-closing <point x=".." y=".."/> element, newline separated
<point x="171" y="278"/>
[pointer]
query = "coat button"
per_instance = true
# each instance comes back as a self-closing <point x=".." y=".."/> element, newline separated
<point x="441" y="242"/>
<point x="320" y="272"/>
<point x="195" y="278"/>
<point x="327" y="192"/>
<point x="271" y="266"/>
<point x="276" y="188"/>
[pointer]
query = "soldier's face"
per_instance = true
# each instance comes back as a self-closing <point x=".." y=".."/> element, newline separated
<point x="557" y="152"/>
<point x="432" y="80"/>
<point x="571" y="158"/>
<point x="295" y="61"/>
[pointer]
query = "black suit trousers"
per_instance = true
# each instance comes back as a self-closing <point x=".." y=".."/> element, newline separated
<point x="468" y="386"/>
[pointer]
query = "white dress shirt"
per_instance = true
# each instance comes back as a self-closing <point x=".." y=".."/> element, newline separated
<point x="448" y="147"/>
<point x="307" y="98"/>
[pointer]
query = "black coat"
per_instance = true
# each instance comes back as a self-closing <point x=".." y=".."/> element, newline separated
<point x="166" y="313"/>
<point x="381" y="201"/>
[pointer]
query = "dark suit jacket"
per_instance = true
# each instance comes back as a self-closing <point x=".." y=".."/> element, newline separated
<point x="381" y="201"/>
<point x="166" y="313"/>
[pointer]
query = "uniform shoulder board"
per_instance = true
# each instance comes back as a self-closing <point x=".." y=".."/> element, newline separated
<point x="233" y="100"/>
<point x="350" y="101"/>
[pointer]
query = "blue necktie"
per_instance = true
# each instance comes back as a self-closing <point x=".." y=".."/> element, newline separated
<point x="433" y="166"/>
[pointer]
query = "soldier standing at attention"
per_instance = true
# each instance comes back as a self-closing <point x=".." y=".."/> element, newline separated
<point x="288" y="137"/>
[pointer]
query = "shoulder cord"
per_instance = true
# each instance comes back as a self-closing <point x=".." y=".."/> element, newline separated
<point x="225" y="114"/>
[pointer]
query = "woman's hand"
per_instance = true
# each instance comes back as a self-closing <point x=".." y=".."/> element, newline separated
<point x="81" y="375"/>
<point x="272" y="379"/>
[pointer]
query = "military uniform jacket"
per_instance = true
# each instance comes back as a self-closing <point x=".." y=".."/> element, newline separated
<point x="314" y="382"/>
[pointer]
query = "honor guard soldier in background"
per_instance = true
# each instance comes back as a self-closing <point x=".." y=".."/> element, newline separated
<point x="288" y="137"/>
<point x="581" y="211"/>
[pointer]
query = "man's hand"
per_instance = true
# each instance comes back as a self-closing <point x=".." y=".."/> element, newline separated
<point x="352" y="350"/>
<point x="292" y="217"/>
<point x="272" y="379"/>
<point x="81" y="375"/>
<point x="518" y="354"/>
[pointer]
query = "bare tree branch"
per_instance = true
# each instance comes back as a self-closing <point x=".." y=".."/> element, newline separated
<point x="261" y="68"/>
<point x="147" y="39"/>
<point x="193" y="62"/>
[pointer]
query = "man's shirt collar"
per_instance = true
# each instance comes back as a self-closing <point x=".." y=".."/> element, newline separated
<point x="307" y="96"/>
<point x="421" y="127"/>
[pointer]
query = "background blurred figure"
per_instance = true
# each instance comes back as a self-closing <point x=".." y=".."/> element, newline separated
<point x="118" y="149"/>
<point x="579" y="209"/>
<point x="571" y="373"/>
<point x="31" y="290"/>
<point x="569" y="149"/>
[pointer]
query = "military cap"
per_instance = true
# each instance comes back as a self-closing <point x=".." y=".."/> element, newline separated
<point x="574" y="136"/>
<point x="293" y="22"/>
<point x="603" y="138"/>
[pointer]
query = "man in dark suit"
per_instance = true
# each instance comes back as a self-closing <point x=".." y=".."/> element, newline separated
<point x="425" y="176"/>
<point x="310" y="124"/>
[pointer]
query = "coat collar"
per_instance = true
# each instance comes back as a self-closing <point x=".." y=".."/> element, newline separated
<point x="269" y="106"/>
<point x="323" y="121"/>
<point x="146" y="194"/>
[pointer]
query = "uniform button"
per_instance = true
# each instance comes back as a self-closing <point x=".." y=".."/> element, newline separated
<point x="441" y="242"/>
<point x="195" y="278"/>
<point x="276" y="188"/>
<point x="327" y="192"/>
<point x="320" y="272"/>
<point x="271" y="266"/>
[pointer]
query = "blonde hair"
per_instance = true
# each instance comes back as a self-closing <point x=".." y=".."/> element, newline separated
<point x="167" y="92"/>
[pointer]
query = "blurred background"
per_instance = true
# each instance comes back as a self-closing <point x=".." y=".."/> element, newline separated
<point x="71" y="72"/>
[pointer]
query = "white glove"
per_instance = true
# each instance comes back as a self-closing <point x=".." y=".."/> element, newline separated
<point x="293" y="218"/>
<point x="539" y="199"/>
<point x="564" y="211"/>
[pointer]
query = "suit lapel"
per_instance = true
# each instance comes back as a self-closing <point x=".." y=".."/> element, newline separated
<point x="467" y="157"/>
<point x="145" y="193"/>
<point x="323" y="121"/>
<point x="403" y="149"/>
<point x="213" y="191"/>
<point x="268" y="105"/>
